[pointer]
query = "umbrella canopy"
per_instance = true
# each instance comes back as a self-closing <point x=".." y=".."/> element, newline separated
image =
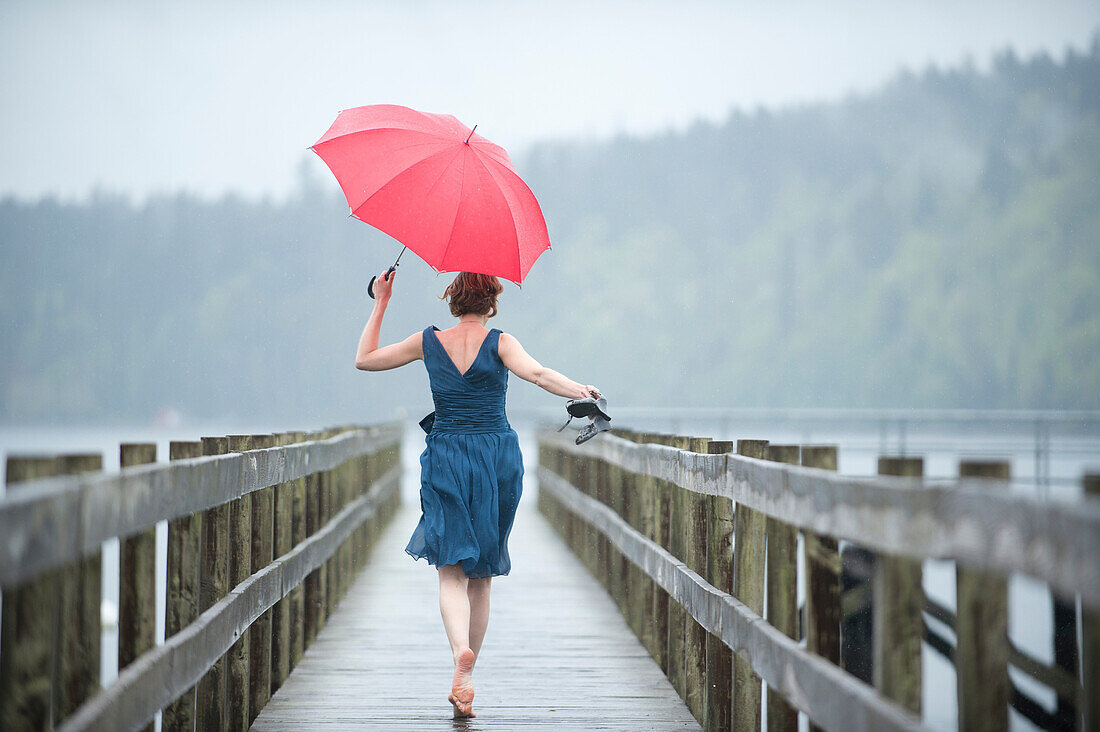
<point x="436" y="186"/>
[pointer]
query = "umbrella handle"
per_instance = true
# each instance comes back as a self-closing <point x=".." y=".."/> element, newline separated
<point x="370" y="285"/>
<point x="391" y="270"/>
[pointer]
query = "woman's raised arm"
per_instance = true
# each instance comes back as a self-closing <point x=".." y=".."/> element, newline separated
<point x="369" y="357"/>
<point x="520" y="363"/>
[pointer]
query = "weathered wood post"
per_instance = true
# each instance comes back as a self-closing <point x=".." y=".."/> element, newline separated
<point x="328" y="510"/>
<point x="315" y="581"/>
<point x="749" y="547"/>
<point x="1090" y="638"/>
<point x="695" y="557"/>
<point x="27" y="626"/>
<point x="617" y="566"/>
<point x="633" y="584"/>
<point x="719" y="566"/>
<point x="569" y="523"/>
<point x="654" y="518"/>
<point x="662" y="508"/>
<point x="593" y="547"/>
<point x="857" y="574"/>
<point x="592" y="537"/>
<point x="261" y="550"/>
<point x="782" y="581"/>
<point x="76" y="671"/>
<point x="822" y="609"/>
<point x="183" y="589"/>
<point x="341" y="557"/>
<point x="677" y="617"/>
<point x="280" y="616"/>
<point x="981" y="655"/>
<point x="361" y="536"/>
<point x="214" y="577"/>
<point x="898" y="603"/>
<point x="137" y="577"/>
<point x="240" y="568"/>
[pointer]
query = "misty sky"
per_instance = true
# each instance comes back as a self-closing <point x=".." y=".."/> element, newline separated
<point x="209" y="97"/>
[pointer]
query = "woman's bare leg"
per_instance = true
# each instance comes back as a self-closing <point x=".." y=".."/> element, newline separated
<point x="454" y="606"/>
<point x="478" y="592"/>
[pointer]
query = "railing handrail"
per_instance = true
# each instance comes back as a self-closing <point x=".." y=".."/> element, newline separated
<point x="52" y="522"/>
<point x="830" y="696"/>
<point x="163" y="673"/>
<point x="804" y="414"/>
<point x="977" y="522"/>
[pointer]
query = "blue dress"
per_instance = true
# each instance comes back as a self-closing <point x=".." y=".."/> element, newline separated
<point x="471" y="470"/>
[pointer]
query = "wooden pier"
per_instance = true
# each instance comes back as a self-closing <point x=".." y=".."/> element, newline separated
<point x="696" y="540"/>
<point x="557" y="655"/>
<point x="292" y="605"/>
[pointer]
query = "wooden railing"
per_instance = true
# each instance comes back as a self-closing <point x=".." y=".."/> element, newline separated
<point x="264" y="534"/>
<point x="652" y="516"/>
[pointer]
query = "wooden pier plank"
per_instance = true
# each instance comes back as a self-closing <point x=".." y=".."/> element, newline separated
<point x="557" y="654"/>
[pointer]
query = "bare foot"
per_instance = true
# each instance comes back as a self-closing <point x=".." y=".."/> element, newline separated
<point x="462" y="688"/>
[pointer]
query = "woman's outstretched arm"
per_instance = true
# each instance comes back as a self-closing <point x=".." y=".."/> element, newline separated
<point x="520" y="363"/>
<point x="369" y="357"/>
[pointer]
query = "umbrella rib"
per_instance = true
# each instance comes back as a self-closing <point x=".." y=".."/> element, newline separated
<point x="458" y="208"/>
<point x="492" y="174"/>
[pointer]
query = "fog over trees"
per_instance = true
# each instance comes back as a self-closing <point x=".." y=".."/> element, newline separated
<point x="934" y="244"/>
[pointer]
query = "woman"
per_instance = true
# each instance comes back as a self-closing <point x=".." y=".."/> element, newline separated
<point x="471" y="468"/>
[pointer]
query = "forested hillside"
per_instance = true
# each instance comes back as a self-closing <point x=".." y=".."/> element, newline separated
<point x="934" y="244"/>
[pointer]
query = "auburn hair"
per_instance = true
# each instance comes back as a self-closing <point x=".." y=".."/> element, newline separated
<point x="473" y="293"/>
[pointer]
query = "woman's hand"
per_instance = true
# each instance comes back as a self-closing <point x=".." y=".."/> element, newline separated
<point x="383" y="288"/>
<point x="591" y="391"/>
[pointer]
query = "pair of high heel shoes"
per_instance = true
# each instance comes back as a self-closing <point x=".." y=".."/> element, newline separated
<point x="595" y="409"/>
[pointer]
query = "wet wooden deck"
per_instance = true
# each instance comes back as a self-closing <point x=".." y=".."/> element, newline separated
<point x="557" y="652"/>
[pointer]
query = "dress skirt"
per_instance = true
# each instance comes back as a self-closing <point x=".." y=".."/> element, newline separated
<point x="470" y="486"/>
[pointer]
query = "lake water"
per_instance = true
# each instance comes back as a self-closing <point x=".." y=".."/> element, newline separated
<point x="1053" y="472"/>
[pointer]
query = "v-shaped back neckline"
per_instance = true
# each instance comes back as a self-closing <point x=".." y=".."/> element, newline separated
<point x="451" y="361"/>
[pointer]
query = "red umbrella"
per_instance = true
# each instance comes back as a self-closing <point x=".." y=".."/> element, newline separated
<point x="443" y="191"/>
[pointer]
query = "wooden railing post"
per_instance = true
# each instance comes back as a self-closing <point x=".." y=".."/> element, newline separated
<point x="315" y="581"/>
<point x="617" y="567"/>
<point x="280" y="616"/>
<point x="981" y="655"/>
<point x="719" y="573"/>
<point x="677" y="544"/>
<point x="695" y="557"/>
<point x="261" y="551"/>
<point x="782" y="580"/>
<point x="749" y="537"/>
<point x="328" y="510"/>
<point x="137" y="578"/>
<point x="631" y="578"/>
<point x="898" y="602"/>
<point x="210" y="697"/>
<point x="592" y="540"/>
<point x="79" y="630"/>
<point x="654" y="525"/>
<point x="822" y="572"/>
<point x="240" y="568"/>
<point x="342" y="557"/>
<point x="27" y="626"/>
<point x="183" y="589"/>
<point x="1090" y="638"/>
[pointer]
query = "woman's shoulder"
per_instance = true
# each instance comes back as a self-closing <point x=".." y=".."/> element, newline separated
<point x="506" y="341"/>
